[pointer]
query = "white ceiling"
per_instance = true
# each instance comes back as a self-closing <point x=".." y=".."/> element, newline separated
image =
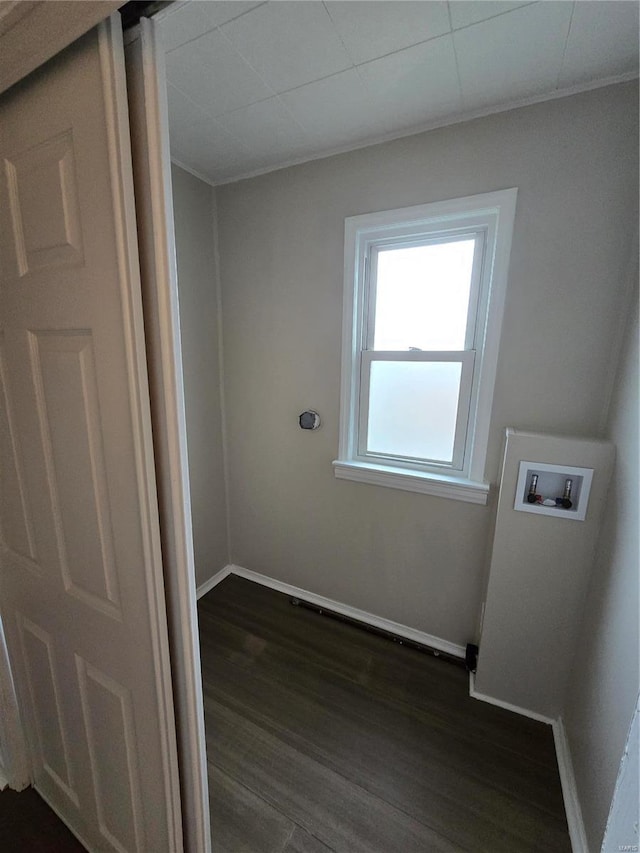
<point x="256" y="86"/>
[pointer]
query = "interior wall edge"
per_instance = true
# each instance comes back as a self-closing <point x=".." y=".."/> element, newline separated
<point x="625" y="317"/>
<point x="572" y="806"/>
<point x="624" y="806"/>
<point x="198" y="301"/>
<point x="221" y="374"/>
<point x="602" y="692"/>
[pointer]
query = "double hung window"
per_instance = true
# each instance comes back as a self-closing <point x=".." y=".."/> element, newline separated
<point x="424" y="293"/>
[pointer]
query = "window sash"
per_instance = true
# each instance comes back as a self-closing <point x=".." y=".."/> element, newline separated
<point x="464" y="357"/>
<point x="371" y="281"/>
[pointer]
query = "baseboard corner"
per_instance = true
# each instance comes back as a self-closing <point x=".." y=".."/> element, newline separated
<point x="499" y="703"/>
<point x="214" y="580"/>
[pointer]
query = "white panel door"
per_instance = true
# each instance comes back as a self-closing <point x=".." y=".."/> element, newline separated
<point x="81" y="580"/>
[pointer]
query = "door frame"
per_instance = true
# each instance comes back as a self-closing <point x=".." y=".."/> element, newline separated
<point x="156" y="239"/>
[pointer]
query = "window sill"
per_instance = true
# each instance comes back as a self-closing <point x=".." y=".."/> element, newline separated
<point x="441" y="485"/>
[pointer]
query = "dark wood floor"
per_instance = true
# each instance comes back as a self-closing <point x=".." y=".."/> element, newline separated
<point x="323" y="737"/>
<point x="28" y="825"/>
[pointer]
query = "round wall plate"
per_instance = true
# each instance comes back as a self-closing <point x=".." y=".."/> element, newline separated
<point x="309" y="420"/>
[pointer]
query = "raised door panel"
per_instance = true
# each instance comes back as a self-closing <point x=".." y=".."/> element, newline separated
<point x="16" y="523"/>
<point x="45" y="234"/>
<point x="46" y="711"/>
<point x="108" y="718"/>
<point x="63" y="367"/>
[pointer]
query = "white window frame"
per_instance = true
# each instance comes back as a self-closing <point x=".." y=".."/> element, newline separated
<point x="489" y="215"/>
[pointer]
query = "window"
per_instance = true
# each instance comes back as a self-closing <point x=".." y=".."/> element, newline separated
<point x="423" y="304"/>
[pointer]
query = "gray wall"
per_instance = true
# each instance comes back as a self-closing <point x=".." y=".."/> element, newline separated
<point x="416" y="559"/>
<point x="602" y="696"/>
<point x="540" y="572"/>
<point x="194" y="212"/>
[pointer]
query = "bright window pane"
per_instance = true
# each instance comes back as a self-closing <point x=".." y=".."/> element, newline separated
<point x="413" y="407"/>
<point x="422" y="297"/>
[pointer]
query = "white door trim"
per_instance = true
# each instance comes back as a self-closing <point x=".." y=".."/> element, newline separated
<point x="110" y="41"/>
<point x="152" y="176"/>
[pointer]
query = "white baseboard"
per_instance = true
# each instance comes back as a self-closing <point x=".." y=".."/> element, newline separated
<point x="204" y="588"/>
<point x="524" y="712"/>
<point x="337" y="607"/>
<point x="569" y="790"/>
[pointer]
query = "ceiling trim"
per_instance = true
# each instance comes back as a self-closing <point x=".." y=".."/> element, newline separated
<point x="447" y="121"/>
<point x="194" y="172"/>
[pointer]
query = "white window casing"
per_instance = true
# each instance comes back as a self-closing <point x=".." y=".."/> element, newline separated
<point x="488" y="220"/>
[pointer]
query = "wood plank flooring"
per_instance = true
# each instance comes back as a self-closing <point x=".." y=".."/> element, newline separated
<point x="322" y="737"/>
